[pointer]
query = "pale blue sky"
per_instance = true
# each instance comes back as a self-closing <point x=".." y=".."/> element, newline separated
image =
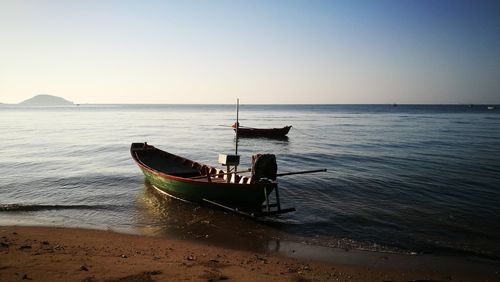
<point x="279" y="51"/>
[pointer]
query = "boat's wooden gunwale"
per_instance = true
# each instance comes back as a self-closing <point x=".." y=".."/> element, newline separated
<point x="191" y="181"/>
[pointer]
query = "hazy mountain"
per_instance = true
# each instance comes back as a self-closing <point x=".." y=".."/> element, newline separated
<point x="46" y="100"/>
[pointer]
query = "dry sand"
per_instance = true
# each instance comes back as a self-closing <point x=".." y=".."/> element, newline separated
<point x="62" y="254"/>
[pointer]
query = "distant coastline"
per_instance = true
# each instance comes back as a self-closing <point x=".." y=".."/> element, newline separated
<point x="45" y="100"/>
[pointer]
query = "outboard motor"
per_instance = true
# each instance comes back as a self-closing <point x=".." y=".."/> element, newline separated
<point x="264" y="166"/>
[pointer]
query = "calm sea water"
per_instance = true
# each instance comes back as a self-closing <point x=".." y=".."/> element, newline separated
<point x="406" y="178"/>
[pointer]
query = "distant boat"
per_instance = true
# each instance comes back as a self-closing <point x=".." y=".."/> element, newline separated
<point x="491" y="108"/>
<point x="244" y="131"/>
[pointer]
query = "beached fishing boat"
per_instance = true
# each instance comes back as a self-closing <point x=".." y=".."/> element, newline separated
<point x="244" y="131"/>
<point x="188" y="180"/>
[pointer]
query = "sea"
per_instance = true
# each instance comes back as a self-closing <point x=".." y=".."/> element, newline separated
<point x="419" y="179"/>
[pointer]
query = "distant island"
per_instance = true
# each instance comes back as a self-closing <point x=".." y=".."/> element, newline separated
<point x="45" y="100"/>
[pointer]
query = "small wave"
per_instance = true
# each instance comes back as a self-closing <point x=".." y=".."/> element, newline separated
<point x="22" y="207"/>
<point x="492" y="118"/>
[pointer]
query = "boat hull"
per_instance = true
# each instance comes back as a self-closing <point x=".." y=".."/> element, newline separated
<point x="241" y="196"/>
<point x="263" y="132"/>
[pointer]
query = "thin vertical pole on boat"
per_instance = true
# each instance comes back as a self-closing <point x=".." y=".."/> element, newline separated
<point x="237" y="126"/>
<point x="278" y="198"/>
<point x="267" y="198"/>
<point x="237" y="122"/>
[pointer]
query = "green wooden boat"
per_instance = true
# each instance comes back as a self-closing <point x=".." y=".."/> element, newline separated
<point x="191" y="181"/>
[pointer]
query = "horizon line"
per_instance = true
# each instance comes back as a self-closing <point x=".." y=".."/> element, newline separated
<point x="256" y="104"/>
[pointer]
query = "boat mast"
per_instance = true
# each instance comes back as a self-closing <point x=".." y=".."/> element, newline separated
<point x="237" y="123"/>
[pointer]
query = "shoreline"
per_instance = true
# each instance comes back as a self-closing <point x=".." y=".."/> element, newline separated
<point x="49" y="253"/>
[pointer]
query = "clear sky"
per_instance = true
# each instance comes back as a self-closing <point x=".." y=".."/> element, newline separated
<point x="269" y="51"/>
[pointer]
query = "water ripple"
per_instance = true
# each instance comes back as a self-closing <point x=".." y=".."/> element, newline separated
<point x="412" y="177"/>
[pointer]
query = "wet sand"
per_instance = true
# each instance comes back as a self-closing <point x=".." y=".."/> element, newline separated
<point x="64" y="254"/>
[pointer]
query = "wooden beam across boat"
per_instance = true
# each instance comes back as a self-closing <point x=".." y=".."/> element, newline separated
<point x="301" y="172"/>
<point x="276" y="212"/>
<point x="254" y="214"/>
<point x="235" y="210"/>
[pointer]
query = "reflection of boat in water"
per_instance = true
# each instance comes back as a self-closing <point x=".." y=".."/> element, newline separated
<point x="244" y="131"/>
<point x="191" y="181"/>
<point x="175" y="219"/>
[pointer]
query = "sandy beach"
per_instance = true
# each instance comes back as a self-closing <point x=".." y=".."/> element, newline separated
<point x="64" y="254"/>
